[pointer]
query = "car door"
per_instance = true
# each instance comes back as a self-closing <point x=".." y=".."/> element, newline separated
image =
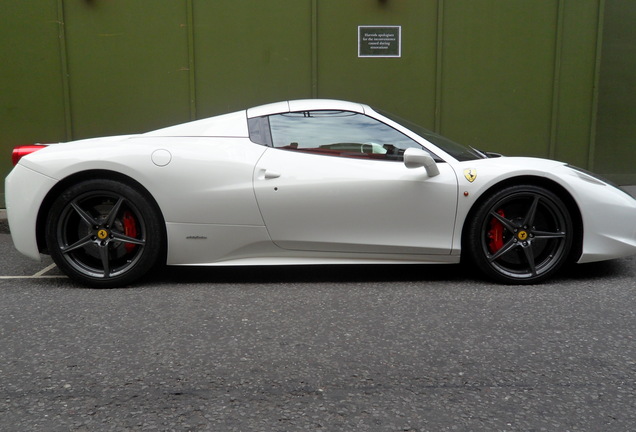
<point x="336" y="182"/>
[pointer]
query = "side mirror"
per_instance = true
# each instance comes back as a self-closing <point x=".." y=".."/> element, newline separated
<point x="417" y="158"/>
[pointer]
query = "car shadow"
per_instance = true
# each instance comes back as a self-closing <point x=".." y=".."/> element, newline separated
<point x="624" y="267"/>
<point x="451" y="273"/>
<point x="311" y="274"/>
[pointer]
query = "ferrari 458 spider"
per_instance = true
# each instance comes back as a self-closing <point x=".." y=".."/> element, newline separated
<point x="306" y="182"/>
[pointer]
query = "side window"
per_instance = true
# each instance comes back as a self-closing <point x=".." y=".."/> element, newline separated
<point x="338" y="133"/>
<point x="259" y="131"/>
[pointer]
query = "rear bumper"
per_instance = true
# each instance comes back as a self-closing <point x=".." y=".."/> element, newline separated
<point x="25" y="190"/>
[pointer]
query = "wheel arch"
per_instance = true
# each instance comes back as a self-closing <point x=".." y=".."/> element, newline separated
<point x="551" y="185"/>
<point x="82" y="176"/>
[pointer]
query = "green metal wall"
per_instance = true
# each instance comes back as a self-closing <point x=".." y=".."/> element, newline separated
<point x="514" y="76"/>
<point x="615" y="151"/>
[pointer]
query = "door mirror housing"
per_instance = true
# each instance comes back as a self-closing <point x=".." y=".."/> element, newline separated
<point x="418" y="158"/>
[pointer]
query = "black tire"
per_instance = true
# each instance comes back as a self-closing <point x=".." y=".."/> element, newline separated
<point x="104" y="233"/>
<point x="520" y="235"/>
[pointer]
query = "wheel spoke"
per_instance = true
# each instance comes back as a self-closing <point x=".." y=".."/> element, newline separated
<point x="505" y="222"/>
<point x="504" y="250"/>
<point x="527" y="251"/>
<point x="532" y="212"/>
<point x="548" y="235"/>
<point x="113" y="212"/>
<point x="88" y="240"/>
<point x="86" y="217"/>
<point x="127" y="239"/>
<point x="103" y="254"/>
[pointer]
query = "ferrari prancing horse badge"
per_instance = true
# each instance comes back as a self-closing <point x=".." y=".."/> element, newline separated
<point x="470" y="174"/>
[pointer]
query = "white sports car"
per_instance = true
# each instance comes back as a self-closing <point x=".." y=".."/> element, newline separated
<point x="306" y="182"/>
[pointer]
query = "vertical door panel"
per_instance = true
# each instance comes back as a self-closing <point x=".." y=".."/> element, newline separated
<point x="404" y="85"/>
<point x="31" y="90"/>
<point x="251" y="52"/>
<point x="128" y="65"/>
<point x="497" y="77"/>
<point x="328" y="203"/>
<point x="615" y="153"/>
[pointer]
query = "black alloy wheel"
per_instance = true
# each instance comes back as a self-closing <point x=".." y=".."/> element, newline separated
<point x="104" y="233"/>
<point x="520" y="235"/>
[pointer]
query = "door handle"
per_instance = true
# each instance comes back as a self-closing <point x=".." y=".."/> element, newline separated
<point x="271" y="175"/>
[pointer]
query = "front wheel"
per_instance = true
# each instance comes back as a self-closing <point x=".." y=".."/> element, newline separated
<point x="520" y="235"/>
<point x="104" y="233"/>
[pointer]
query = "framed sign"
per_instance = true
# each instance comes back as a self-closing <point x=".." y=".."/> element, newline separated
<point x="379" y="41"/>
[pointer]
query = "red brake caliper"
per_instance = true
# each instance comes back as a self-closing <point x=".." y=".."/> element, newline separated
<point x="495" y="234"/>
<point x="130" y="229"/>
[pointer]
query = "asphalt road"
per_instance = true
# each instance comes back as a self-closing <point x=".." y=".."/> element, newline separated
<point x="385" y="348"/>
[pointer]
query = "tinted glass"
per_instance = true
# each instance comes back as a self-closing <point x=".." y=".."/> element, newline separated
<point x="458" y="151"/>
<point x="338" y="133"/>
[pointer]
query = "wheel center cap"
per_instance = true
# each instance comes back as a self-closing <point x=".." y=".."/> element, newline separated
<point x="522" y="235"/>
<point x="102" y="234"/>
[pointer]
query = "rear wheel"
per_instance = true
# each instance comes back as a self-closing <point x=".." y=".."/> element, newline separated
<point x="104" y="233"/>
<point x="520" y="235"/>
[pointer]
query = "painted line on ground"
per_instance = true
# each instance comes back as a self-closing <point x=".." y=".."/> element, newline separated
<point x="44" y="270"/>
<point x="39" y="275"/>
<point x="33" y="277"/>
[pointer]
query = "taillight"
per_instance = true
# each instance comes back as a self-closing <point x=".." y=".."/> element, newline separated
<point x="21" y="151"/>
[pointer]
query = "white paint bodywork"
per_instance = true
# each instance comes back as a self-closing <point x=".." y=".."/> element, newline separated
<point x="228" y="201"/>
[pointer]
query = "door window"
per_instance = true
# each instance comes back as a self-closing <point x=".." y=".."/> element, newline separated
<point x="338" y="133"/>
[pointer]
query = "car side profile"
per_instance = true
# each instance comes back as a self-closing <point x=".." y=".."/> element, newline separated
<point x="306" y="182"/>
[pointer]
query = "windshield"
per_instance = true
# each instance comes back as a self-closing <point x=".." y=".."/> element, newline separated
<point x="456" y="150"/>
